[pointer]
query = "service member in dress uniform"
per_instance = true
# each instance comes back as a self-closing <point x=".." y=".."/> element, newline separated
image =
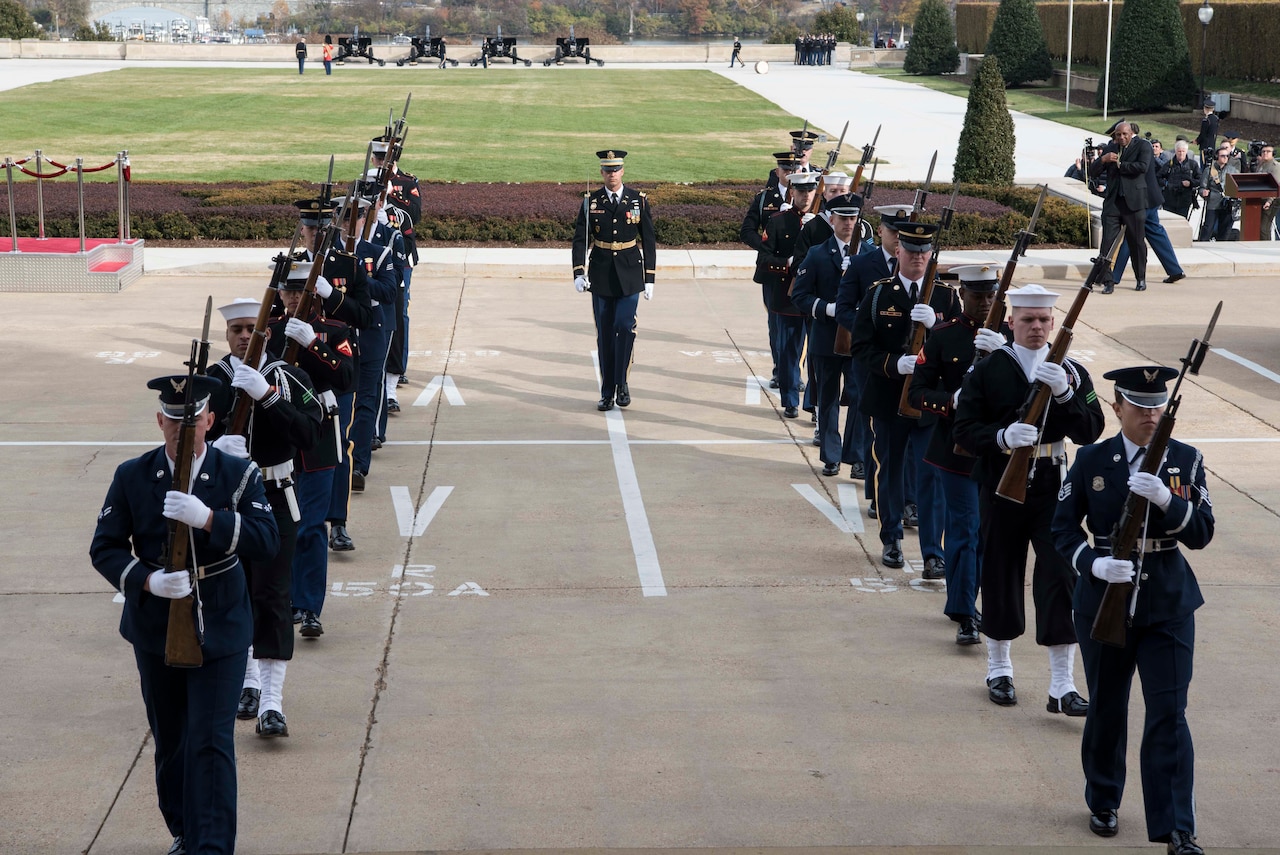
<point x="385" y="233"/>
<point x="987" y="425"/>
<point x="326" y="355"/>
<point x="404" y="195"/>
<point x="869" y="267"/>
<point x="764" y="206"/>
<point x="192" y="711"/>
<point x="1161" y="639"/>
<point x="881" y="330"/>
<point x="285" y="418"/>
<point x="616" y="225"/>
<point x="775" y="271"/>
<point x="814" y="293"/>
<point x="944" y="362"/>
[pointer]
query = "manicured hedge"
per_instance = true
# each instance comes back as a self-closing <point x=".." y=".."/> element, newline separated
<point x="506" y="214"/>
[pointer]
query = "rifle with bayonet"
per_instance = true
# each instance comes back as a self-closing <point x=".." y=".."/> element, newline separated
<point x="242" y="406"/>
<point x="833" y="157"/>
<point x="868" y="154"/>
<point x="1017" y="473"/>
<point x="996" y="314"/>
<point x="1115" y="612"/>
<point x="922" y="194"/>
<point x="915" y="338"/>
<point x="183" y="636"/>
<point x="843" y="345"/>
<point x="396" y="133"/>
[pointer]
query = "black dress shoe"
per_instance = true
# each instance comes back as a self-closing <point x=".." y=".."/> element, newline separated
<point x="911" y="515"/>
<point x="831" y="469"/>
<point x="1141" y="286"/>
<point x="790" y="412"/>
<point x="248" y="706"/>
<point x="892" y="555"/>
<point x="1176" y="277"/>
<point x="773" y="383"/>
<point x="393" y="406"/>
<point x="311" y="627"/>
<point x="297" y="615"/>
<point x="934" y="569"/>
<point x="1109" y="288"/>
<point x="817" y="440"/>
<point x="1183" y="843"/>
<point x="271" y="723"/>
<point x="402" y="380"/>
<point x="977" y="619"/>
<point x="179" y="846"/>
<point x="1069" y="704"/>
<point x="375" y="445"/>
<point x="339" y="540"/>
<point x="604" y="404"/>
<point x="1104" y="823"/>
<point x="968" y="631"/>
<point x="1000" y="691"/>
<point x="624" y="396"/>
<point x="871" y="510"/>
<point x="357" y="481"/>
<point x="813" y="417"/>
<point x="857" y="471"/>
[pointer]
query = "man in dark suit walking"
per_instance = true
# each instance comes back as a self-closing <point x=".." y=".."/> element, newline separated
<point x="1123" y="166"/>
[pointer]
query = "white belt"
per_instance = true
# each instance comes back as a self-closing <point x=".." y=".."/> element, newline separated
<point x="1048" y="449"/>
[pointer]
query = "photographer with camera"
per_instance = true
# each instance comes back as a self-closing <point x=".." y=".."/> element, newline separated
<point x="1180" y="178"/>
<point x="1219" y="213"/>
<point x="1267" y="163"/>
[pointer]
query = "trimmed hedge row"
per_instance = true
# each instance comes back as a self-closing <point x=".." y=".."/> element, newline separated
<point x="684" y="215"/>
<point x="1231" y="55"/>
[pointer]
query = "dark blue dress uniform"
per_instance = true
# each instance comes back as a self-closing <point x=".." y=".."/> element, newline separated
<point x="621" y="263"/>
<point x="775" y="271"/>
<point x="764" y="207"/>
<point x="191" y="710"/>
<point x="1161" y="639"/>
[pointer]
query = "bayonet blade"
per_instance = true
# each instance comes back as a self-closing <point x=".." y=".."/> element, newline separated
<point x="1201" y="347"/>
<point x="877" y="136"/>
<point x="208" y="311"/>
<point x="329" y="181"/>
<point x="928" y="179"/>
<point x="1035" y="215"/>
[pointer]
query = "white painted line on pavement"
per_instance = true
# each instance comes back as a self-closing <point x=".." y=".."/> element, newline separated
<point x="755" y="385"/>
<point x="846" y="517"/>
<point x="1248" y="363"/>
<point x="451" y="393"/>
<point x="646" y="552"/>
<point x="414" y="524"/>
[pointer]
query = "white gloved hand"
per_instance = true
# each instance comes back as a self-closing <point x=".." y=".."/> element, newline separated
<point x="1054" y="376"/>
<point x="251" y="381"/>
<point x="300" y="331"/>
<point x="323" y="288"/>
<point x="1019" y="435"/>
<point x="1113" y="569"/>
<point x="186" y="508"/>
<point x="923" y="313"/>
<point x="955" y="399"/>
<point x="233" y="444"/>
<point x="579" y="283"/>
<point x="1151" y="488"/>
<point x="171" y="586"/>
<point x="804" y="220"/>
<point x="906" y="364"/>
<point x="988" y="340"/>
<point x="785" y="206"/>
<point x="648" y="290"/>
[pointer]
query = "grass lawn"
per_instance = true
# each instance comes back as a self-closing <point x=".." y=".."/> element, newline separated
<point x="1030" y="101"/>
<point x="518" y="125"/>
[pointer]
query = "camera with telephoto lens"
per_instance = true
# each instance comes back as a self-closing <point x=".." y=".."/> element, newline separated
<point x="1090" y="150"/>
<point x="1254" y="153"/>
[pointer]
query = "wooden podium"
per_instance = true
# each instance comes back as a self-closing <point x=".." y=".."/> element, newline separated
<point x="1253" y="188"/>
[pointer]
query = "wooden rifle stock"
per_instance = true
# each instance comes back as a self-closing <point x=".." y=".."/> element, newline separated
<point x="182" y="636"/>
<point x="1112" y="619"/>
<point x="918" y="331"/>
<point x="243" y="406"/>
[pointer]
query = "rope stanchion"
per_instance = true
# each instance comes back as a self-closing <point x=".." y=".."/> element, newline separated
<point x="123" y="177"/>
<point x="13" y="219"/>
<point x="39" y="199"/>
<point x="80" y="198"/>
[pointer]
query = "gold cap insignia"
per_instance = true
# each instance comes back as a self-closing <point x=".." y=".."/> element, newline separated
<point x="610" y="155"/>
<point x="178" y="386"/>
<point x="1150" y="375"/>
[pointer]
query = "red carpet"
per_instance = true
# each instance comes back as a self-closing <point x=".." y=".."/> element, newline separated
<point x="61" y="246"/>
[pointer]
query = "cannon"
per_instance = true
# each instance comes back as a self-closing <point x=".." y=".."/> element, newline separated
<point x="572" y="48"/>
<point x="356" y="46"/>
<point x="493" y="48"/>
<point x="426" y="47"/>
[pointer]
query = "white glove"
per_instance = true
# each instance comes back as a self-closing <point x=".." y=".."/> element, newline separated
<point x="648" y="290"/>
<point x="1113" y="569"/>
<point x="830" y="310"/>
<point x="233" y="444"/>
<point x="906" y="364"/>
<point x="186" y="508"/>
<point x="323" y="288"/>
<point x="171" y="586"/>
<point x="806" y="218"/>
<point x="1019" y="435"/>
<point x="1054" y="376"/>
<point x="955" y="399"/>
<point x="988" y="340"/>
<point x="251" y="381"/>
<point x="579" y="283"/>
<point x="785" y="206"/>
<point x="1151" y="488"/>
<point x="300" y="331"/>
<point x="923" y="313"/>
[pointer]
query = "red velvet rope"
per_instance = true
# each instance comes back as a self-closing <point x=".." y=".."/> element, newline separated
<point x="62" y="168"/>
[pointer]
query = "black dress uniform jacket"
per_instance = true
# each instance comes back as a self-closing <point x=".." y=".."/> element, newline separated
<point x="880" y="331"/>
<point x="993" y="393"/>
<point x="817" y="282"/>
<point x="864" y="271"/>
<point x="285" y="421"/>
<point x="329" y="363"/>
<point x="621" y="240"/>
<point x="762" y="208"/>
<point x="349" y="301"/>
<point x="941" y="367"/>
<point x="1095" y="491"/>
<point x="774" y="266"/>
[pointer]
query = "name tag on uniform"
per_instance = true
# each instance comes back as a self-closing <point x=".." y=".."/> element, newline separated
<point x="891" y="312"/>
